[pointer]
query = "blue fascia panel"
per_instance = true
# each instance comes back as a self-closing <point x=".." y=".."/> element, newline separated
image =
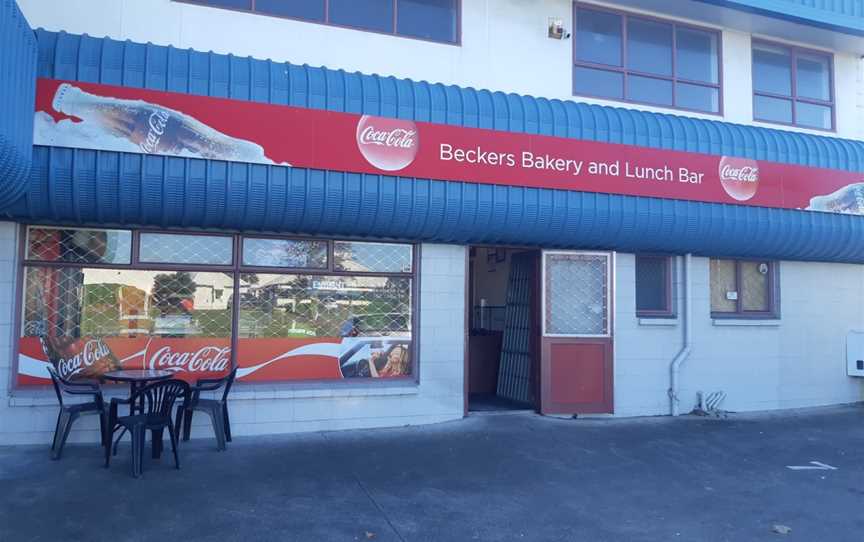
<point x="107" y="188"/>
<point x="845" y="16"/>
<point x="17" y="94"/>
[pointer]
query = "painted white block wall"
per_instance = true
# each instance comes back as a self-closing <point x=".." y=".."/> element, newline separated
<point x="28" y="415"/>
<point x="504" y="47"/>
<point x="796" y="361"/>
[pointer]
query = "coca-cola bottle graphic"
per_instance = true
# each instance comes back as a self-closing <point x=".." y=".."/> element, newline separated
<point x="79" y="358"/>
<point x="848" y="200"/>
<point x="153" y="128"/>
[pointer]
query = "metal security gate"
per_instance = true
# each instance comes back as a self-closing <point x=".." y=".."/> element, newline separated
<point x="515" y="369"/>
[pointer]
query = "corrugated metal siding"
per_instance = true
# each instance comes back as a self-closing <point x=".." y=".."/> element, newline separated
<point x="845" y="16"/>
<point x="79" y="186"/>
<point x="17" y="92"/>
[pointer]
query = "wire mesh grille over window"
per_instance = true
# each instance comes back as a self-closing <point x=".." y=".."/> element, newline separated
<point x="323" y="306"/>
<point x="576" y="294"/>
<point x="754" y="286"/>
<point x="724" y="290"/>
<point x="652" y="284"/>
<point x="79" y="246"/>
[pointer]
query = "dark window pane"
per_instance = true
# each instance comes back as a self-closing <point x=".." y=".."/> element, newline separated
<point x="652" y="282"/>
<point x="310" y="10"/>
<point x="79" y="246"/>
<point x="293" y="253"/>
<point x="602" y="83"/>
<point x="698" y="56"/>
<point x="812" y="115"/>
<point x="813" y="76"/>
<point x="372" y="257"/>
<point x="698" y="97"/>
<point x="598" y="37"/>
<point x="366" y="14"/>
<point x="236" y="4"/>
<point x="772" y="69"/>
<point x="772" y="109"/>
<point x="428" y="19"/>
<point x="649" y="46"/>
<point x="185" y="249"/>
<point x="649" y="90"/>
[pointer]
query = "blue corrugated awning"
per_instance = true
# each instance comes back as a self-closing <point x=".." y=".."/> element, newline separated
<point x="17" y="92"/>
<point x="846" y="16"/>
<point x="107" y="188"/>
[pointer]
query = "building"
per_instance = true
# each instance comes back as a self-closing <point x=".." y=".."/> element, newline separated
<point x="390" y="212"/>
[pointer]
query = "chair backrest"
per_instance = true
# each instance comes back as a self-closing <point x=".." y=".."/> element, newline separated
<point x="59" y="383"/>
<point x="229" y="380"/>
<point x="159" y="397"/>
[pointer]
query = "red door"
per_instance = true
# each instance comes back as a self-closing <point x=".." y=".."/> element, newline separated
<point x="576" y="342"/>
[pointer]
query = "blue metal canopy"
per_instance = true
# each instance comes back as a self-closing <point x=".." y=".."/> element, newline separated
<point x="108" y="188"/>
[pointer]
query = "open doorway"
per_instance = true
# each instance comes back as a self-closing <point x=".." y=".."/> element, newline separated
<point x="503" y="332"/>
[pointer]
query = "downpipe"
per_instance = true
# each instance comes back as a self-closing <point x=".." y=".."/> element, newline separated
<point x="686" y="332"/>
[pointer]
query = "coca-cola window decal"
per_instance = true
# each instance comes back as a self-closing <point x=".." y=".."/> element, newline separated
<point x="372" y="257"/>
<point x="186" y="249"/>
<point x="80" y="246"/>
<point x="351" y="319"/>
<point x="292" y="253"/>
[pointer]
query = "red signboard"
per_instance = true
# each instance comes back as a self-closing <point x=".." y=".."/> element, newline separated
<point x="93" y="116"/>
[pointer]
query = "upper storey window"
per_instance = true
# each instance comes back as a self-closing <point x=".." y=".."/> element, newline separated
<point x="639" y="59"/>
<point x="792" y="86"/>
<point x="433" y="20"/>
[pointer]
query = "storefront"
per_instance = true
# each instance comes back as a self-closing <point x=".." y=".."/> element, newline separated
<point x="371" y="251"/>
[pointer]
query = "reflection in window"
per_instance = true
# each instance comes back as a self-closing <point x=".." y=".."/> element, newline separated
<point x="372" y="257"/>
<point x="292" y="253"/>
<point x="79" y="245"/>
<point x="173" y="248"/>
<point x="792" y="86"/>
<point x="427" y="19"/>
<point x="309" y="10"/>
<point x="668" y="64"/>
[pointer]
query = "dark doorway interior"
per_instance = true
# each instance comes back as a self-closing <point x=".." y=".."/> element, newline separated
<point x="502" y="346"/>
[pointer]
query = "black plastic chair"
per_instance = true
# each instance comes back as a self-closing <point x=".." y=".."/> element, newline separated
<point x="217" y="409"/>
<point x="70" y="412"/>
<point x="150" y="409"/>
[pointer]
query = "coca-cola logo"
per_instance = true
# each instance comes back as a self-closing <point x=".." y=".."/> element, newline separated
<point x="739" y="177"/>
<point x="155" y="130"/>
<point x="387" y="144"/>
<point x="203" y="360"/>
<point x="92" y="352"/>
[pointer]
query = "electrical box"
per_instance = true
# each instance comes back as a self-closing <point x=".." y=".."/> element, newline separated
<point x="855" y="353"/>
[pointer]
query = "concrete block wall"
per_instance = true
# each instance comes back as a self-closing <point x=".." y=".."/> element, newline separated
<point x="796" y="361"/>
<point x="28" y="415"/>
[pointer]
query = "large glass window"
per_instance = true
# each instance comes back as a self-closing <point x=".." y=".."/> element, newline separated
<point x="743" y="288"/>
<point x="323" y="310"/>
<point x="792" y="86"/>
<point x="625" y="57"/>
<point x="434" y="20"/>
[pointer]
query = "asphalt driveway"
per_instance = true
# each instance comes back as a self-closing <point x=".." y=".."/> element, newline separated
<point x="489" y="477"/>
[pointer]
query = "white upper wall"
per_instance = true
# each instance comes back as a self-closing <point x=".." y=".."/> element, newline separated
<point x="504" y="47"/>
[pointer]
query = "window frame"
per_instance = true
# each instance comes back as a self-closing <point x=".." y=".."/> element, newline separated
<point x="626" y="72"/>
<point x="235" y="269"/>
<point x="794" y="51"/>
<point x="326" y="22"/>
<point x="773" y="312"/>
<point x="670" y="310"/>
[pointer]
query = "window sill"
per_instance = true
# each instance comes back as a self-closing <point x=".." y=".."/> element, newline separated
<point x="658" y="321"/>
<point x="745" y="322"/>
<point x="38" y="397"/>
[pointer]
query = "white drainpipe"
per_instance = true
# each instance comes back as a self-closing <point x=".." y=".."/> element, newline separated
<point x="684" y="353"/>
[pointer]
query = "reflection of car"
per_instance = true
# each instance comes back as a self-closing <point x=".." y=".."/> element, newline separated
<point x="357" y="353"/>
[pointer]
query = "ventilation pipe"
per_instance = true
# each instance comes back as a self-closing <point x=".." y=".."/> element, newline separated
<point x="686" y="332"/>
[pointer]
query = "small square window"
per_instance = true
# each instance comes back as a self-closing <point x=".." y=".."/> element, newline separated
<point x="654" y="286"/>
<point x="743" y="288"/>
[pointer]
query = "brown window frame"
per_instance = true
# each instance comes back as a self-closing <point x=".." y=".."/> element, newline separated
<point x="794" y="51"/>
<point x="326" y="22"/>
<point x="773" y="287"/>
<point x="669" y="311"/>
<point x="236" y="269"/>
<point x="626" y="72"/>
